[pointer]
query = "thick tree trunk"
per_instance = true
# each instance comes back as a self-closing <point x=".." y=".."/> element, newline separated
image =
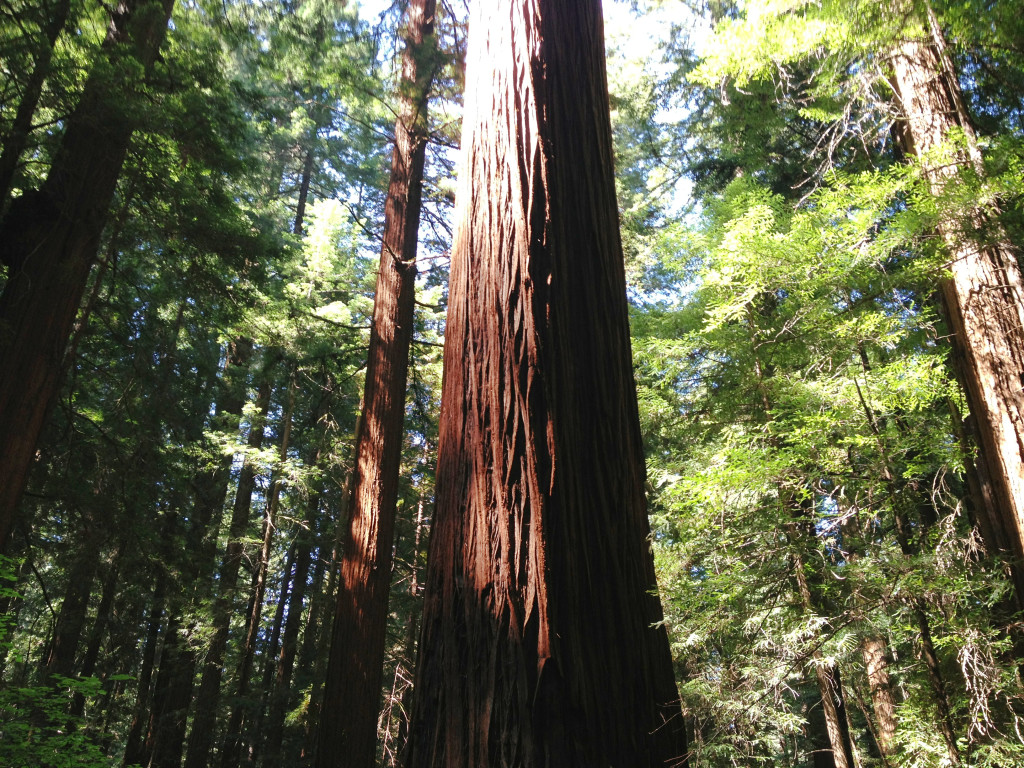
<point x="542" y="642"/>
<point x="49" y="240"/>
<point x="60" y="657"/>
<point x="354" y="675"/>
<point x="984" y="296"/>
<point x="876" y="662"/>
<point x="208" y="696"/>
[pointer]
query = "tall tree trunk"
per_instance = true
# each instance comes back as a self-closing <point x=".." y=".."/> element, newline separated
<point x="281" y="690"/>
<point x="136" y="751"/>
<point x="21" y="127"/>
<point x="231" y="755"/>
<point x="49" y="240"/>
<point x="208" y="695"/>
<point x="323" y="627"/>
<point x="354" y="674"/>
<point x="984" y="297"/>
<point x="833" y="701"/>
<point x="542" y="640"/>
<point x="60" y="658"/>
<point x="179" y="659"/>
<point x="99" y="628"/>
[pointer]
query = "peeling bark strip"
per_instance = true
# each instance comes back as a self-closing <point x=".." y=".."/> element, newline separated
<point x="348" y="730"/>
<point x="541" y="643"/>
<point x="984" y="296"/>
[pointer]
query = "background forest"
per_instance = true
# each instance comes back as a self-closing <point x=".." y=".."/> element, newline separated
<point x="837" y="590"/>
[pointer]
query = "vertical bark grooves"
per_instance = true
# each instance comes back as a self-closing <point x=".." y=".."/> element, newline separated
<point x="354" y="676"/>
<point x="876" y="662"/>
<point x="50" y="239"/>
<point x="984" y="297"/>
<point x="541" y="641"/>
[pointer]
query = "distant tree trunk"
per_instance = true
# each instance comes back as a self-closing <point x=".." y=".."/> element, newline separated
<point x="321" y="627"/>
<point x="136" y="751"/>
<point x="300" y="208"/>
<point x="542" y="642"/>
<point x="99" y="628"/>
<point x="49" y="240"/>
<point x="833" y="701"/>
<point x="60" y="657"/>
<point x="354" y="674"/>
<point x="281" y="688"/>
<point x="205" y="705"/>
<point x="984" y="297"/>
<point x="231" y="755"/>
<point x="21" y="127"/>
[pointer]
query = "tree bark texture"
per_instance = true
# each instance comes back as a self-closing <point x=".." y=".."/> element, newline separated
<point x="984" y="296"/>
<point x="49" y="240"/>
<point x="354" y="676"/>
<point x="541" y="642"/>
<point x="876" y="662"/>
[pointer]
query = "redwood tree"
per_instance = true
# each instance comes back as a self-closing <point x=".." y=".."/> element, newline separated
<point x="984" y="294"/>
<point x="348" y="730"/>
<point x="541" y="642"/>
<point x="49" y="238"/>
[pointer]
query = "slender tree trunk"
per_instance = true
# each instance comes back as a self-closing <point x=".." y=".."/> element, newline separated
<point x="233" y="745"/>
<point x="208" y="695"/>
<point x="984" y="296"/>
<point x="280" y="696"/>
<point x="323" y="627"/>
<point x="354" y="674"/>
<point x="135" y="751"/>
<point x="21" y="127"/>
<point x="307" y="176"/>
<point x="833" y="702"/>
<point x="542" y="640"/>
<point x="99" y="628"/>
<point x="49" y="240"/>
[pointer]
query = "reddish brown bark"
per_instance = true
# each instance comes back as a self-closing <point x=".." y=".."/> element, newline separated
<point x="49" y="240"/>
<point x="541" y="642"/>
<point x="984" y="296"/>
<point x="876" y="662"/>
<point x="354" y="676"/>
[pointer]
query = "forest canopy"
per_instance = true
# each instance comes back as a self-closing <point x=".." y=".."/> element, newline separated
<point x="735" y="478"/>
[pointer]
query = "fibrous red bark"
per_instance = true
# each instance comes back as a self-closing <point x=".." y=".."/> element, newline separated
<point x="983" y="297"/>
<point x="541" y="642"/>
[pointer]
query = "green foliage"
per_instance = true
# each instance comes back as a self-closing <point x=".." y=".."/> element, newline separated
<point x="36" y="730"/>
